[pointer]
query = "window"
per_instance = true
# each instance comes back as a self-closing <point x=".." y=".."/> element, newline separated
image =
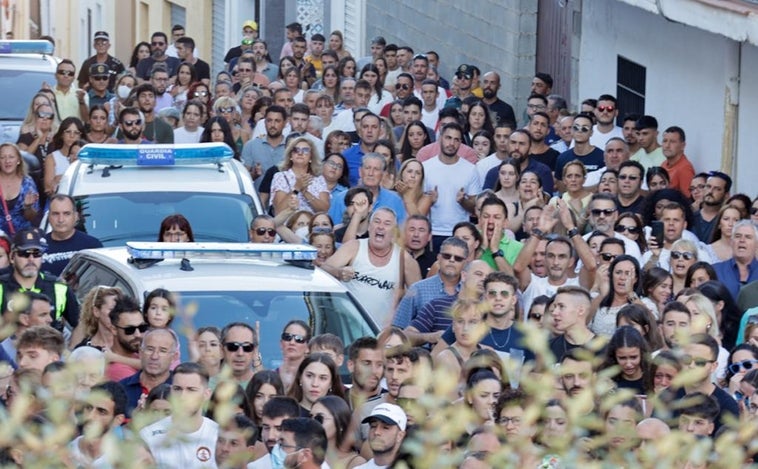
<point x="630" y="89"/>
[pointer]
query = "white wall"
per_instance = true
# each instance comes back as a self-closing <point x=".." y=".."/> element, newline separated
<point x="746" y="170"/>
<point x="687" y="73"/>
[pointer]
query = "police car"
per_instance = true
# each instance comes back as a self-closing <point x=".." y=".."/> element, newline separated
<point x="123" y="192"/>
<point x="24" y="67"/>
<point x="218" y="283"/>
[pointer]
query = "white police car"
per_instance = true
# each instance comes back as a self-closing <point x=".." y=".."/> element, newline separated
<point x="218" y="283"/>
<point x="123" y="192"/>
<point x="24" y="67"/>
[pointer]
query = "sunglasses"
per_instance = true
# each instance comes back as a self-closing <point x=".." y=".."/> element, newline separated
<point x="628" y="229"/>
<point x="99" y="78"/>
<point x="447" y="256"/>
<point x="35" y="253"/>
<point x="247" y="347"/>
<point x="735" y="368"/>
<point x="688" y="256"/>
<point x="607" y="257"/>
<point x="302" y="150"/>
<point x="624" y="177"/>
<point x="65" y="73"/>
<point x="689" y="360"/>
<point x="287" y="337"/>
<point x="599" y="211"/>
<point x="130" y="330"/>
<point x="134" y="122"/>
<point x="581" y="128"/>
<point x="403" y="86"/>
<point x="44" y="115"/>
<point x="263" y="231"/>
<point x="226" y="110"/>
<point x="606" y="108"/>
<point x="503" y="293"/>
<point x="201" y="93"/>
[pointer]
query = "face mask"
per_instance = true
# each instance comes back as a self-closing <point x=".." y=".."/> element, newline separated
<point x="123" y="91"/>
<point x="277" y="457"/>
<point x="302" y="232"/>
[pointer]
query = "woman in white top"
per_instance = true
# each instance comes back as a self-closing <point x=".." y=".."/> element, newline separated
<point x="57" y="162"/>
<point x="300" y="176"/>
<point x="192" y="116"/>
<point x="379" y="96"/>
<point x="293" y="81"/>
<point x="185" y="76"/>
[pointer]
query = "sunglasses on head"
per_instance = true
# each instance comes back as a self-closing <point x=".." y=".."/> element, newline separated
<point x="287" y="337"/>
<point x="65" y="73"/>
<point x="628" y="229"/>
<point x="35" y="253"/>
<point x="688" y="256"/>
<point x="735" y="368"/>
<point x="130" y="330"/>
<point x="599" y="211"/>
<point x="447" y="256"/>
<point x="247" y="347"/>
<point x="263" y="231"/>
<point x="132" y="122"/>
<point x="581" y="128"/>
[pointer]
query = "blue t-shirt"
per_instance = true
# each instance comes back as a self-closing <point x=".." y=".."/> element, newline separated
<point x="593" y="161"/>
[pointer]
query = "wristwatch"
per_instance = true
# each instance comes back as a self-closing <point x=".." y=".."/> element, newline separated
<point x="538" y="233"/>
<point x="498" y="253"/>
<point x="572" y="232"/>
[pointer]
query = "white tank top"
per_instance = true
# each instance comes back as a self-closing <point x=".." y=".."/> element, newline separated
<point x="375" y="286"/>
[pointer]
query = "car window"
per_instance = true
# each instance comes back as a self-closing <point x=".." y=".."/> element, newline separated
<point x="119" y="217"/>
<point x="19" y="86"/>
<point x="334" y="312"/>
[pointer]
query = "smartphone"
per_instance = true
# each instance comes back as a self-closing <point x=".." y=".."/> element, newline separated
<point x="657" y="232"/>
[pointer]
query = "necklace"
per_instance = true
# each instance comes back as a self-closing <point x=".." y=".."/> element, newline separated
<point x="381" y="256"/>
<point x="507" y="339"/>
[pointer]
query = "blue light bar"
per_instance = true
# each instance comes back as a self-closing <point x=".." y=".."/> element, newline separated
<point x="26" y="47"/>
<point x="155" y="155"/>
<point x="278" y="252"/>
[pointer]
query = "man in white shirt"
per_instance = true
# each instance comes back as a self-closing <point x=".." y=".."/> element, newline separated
<point x="186" y="438"/>
<point x="387" y="424"/>
<point x="606" y="112"/>
<point x="104" y="410"/>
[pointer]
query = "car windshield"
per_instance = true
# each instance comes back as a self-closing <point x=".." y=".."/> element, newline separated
<point x="19" y="86"/>
<point x="334" y="312"/>
<point x="119" y="217"/>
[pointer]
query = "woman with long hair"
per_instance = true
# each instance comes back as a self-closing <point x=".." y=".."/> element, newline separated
<point x="335" y="416"/>
<point x="316" y="377"/>
<point x="385" y="148"/>
<point x="704" y="321"/>
<point x="57" y="162"/>
<point x="478" y="118"/>
<point x="202" y="93"/>
<point x="335" y="172"/>
<point x="123" y="98"/>
<point x="413" y="139"/>
<point x="642" y="319"/>
<point x="396" y="113"/>
<point x="330" y="83"/>
<point x="227" y="108"/>
<point x="264" y="385"/>
<point x="192" y="117"/>
<point x="347" y="67"/>
<point x="205" y="348"/>
<point x="246" y="99"/>
<point x="629" y="351"/>
<point x="337" y="44"/>
<point x="657" y="178"/>
<point x="699" y="273"/>
<point x="381" y="66"/>
<point x="95" y="311"/>
<point x="410" y="186"/>
<point x="630" y="225"/>
<point x="186" y="75"/>
<point x="506" y="188"/>
<point x="300" y="175"/>
<point x="720" y="248"/>
<point x="379" y="96"/>
<point x="175" y="229"/>
<point x="39" y="99"/>
<point x="217" y="130"/>
<point x="576" y="196"/>
<point x="469" y="328"/>
<point x="622" y="287"/>
<point x="293" y="82"/>
<point x="96" y="130"/>
<point x="140" y="51"/>
<point x="658" y="286"/>
<point x="483" y="144"/>
<point x="21" y="200"/>
<point x="684" y="253"/>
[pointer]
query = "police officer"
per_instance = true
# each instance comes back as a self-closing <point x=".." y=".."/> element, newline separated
<point x="26" y="260"/>
<point x="102" y="43"/>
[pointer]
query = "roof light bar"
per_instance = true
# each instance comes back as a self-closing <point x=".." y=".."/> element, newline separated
<point x="155" y="155"/>
<point x="279" y="252"/>
<point x="27" y="47"/>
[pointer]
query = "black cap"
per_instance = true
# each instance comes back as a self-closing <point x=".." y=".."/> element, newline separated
<point x="102" y="35"/>
<point x="99" y="70"/>
<point x="29" y="239"/>
<point x="464" y="70"/>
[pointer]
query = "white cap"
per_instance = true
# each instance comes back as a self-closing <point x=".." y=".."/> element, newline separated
<point x="388" y="413"/>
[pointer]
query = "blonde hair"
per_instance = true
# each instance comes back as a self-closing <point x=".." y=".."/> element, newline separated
<point x="95" y="298"/>
<point x="705" y="306"/>
<point x="315" y="163"/>
<point x="21" y="169"/>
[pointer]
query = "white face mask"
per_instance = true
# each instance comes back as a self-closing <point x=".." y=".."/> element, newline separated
<point x="302" y="232"/>
<point x="123" y="91"/>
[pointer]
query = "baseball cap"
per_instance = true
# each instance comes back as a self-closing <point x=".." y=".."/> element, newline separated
<point x="646" y="122"/>
<point x="99" y="70"/>
<point x="29" y="239"/>
<point x="389" y="414"/>
<point x="464" y="70"/>
<point x="102" y="35"/>
<point x="250" y="24"/>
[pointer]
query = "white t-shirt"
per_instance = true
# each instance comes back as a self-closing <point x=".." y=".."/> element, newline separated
<point x="430" y="118"/>
<point x="370" y="464"/>
<point x="541" y="286"/>
<point x="449" y="179"/>
<point x="484" y="165"/>
<point x="182" y="135"/>
<point x="599" y="139"/>
<point x="182" y="450"/>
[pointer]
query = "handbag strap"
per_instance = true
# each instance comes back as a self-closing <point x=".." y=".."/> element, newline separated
<point x="8" y="217"/>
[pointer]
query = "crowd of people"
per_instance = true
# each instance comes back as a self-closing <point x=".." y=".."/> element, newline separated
<point x="553" y="287"/>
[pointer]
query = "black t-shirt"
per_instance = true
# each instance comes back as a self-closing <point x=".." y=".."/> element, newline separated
<point x="60" y="252"/>
<point x="503" y="111"/>
<point x="548" y="158"/>
<point x="634" y="207"/>
<point x="425" y="261"/>
<point x="145" y="65"/>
